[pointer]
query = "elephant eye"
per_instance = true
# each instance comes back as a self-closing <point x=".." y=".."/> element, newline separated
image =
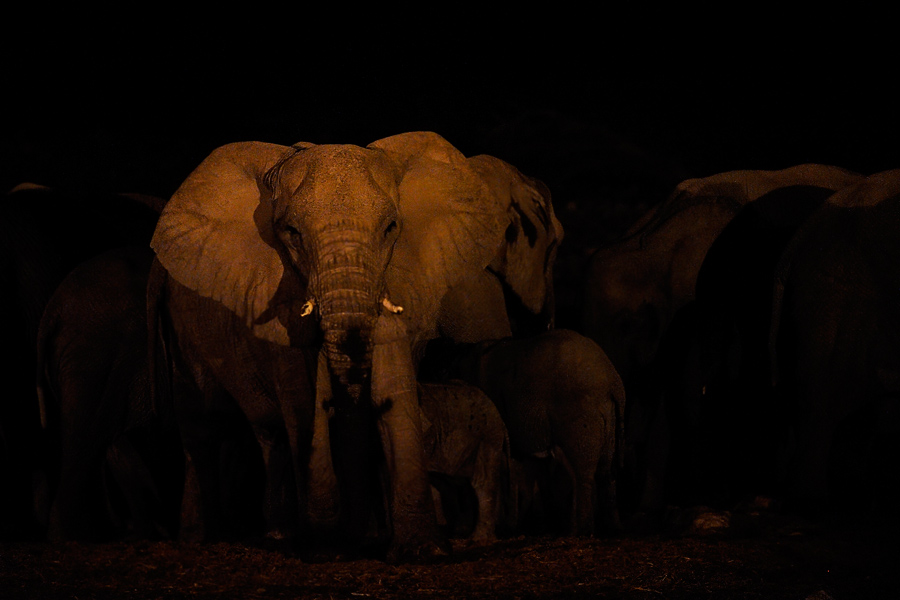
<point x="294" y="233"/>
<point x="392" y="226"/>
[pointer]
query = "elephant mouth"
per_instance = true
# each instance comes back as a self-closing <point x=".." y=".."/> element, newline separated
<point x="349" y="353"/>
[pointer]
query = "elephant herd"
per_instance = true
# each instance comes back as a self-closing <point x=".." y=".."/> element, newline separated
<point x="753" y="317"/>
<point x="331" y="344"/>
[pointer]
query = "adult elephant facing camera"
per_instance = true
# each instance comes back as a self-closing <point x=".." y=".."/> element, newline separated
<point x="271" y="253"/>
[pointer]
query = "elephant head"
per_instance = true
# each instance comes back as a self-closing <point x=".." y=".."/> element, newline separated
<point x="277" y="233"/>
<point x="274" y="233"/>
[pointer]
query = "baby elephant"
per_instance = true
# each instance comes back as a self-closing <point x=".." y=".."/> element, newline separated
<point x="559" y="395"/>
<point x="465" y="439"/>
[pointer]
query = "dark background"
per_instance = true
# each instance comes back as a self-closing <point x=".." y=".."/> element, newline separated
<point x="610" y="109"/>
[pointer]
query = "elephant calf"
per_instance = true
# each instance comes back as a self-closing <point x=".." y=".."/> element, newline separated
<point x="465" y="439"/>
<point x="561" y="397"/>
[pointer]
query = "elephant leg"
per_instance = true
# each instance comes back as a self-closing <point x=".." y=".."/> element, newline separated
<point x="200" y="506"/>
<point x="808" y="483"/>
<point x="395" y="396"/>
<point x="654" y="465"/>
<point x="286" y="444"/>
<point x="79" y="508"/>
<point x="606" y="510"/>
<point x="516" y="495"/>
<point x="77" y="511"/>
<point x="573" y="507"/>
<point x="324" y="501"/>
<point x="130" y="474"/>
<point x="439" y="510"/>
<point x="579" y="448"/>
<point x="486" y="479"/>
<point x="280" y="502"/>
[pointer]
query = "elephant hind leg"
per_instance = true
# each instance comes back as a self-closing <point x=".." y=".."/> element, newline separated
<point x="486" y="478"/>
<point x="579" y="474"/>
<point x="606" y="510"/>
<point x="78" y="510"/>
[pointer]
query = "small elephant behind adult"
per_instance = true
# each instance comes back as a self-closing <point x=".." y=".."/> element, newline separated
<point x="465" y="439"/>
<point x="94" y="396"/>
<point x="559" y="395"/>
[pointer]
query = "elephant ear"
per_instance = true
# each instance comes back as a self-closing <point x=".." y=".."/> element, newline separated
<point x="452" y="226"/>
<point x="524" y="262"/>
<point x="215" y="234"/>
<point x="474" y="229"/>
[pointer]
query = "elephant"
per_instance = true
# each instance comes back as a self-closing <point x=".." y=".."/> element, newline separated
<point x="559" y="396"/>
<point x="44" y="233"/>
<point x="294" y="277"/>
<point x="94" y="394"/>
<point x="835" y="349"/>
<point x="465" y="439"/>
<point x="634" y="286"/>
<point x="713" y="362"/>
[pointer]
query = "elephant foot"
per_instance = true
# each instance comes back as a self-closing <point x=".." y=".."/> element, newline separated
<point x="418" y="550"/>
<point x="281" y="542"/>
<point x="480" y="541"/>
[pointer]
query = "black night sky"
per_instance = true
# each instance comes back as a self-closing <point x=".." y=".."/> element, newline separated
<point x="138" y="106"/>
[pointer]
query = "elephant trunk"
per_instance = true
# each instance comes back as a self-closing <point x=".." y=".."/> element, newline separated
<point x="346" y="291"/>
<point x="347" y="288"/>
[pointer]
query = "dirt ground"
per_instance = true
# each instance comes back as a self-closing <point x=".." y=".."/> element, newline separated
<point x="765" y="556"/>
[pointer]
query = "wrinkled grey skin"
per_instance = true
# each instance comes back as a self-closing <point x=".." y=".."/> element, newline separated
<point x="559" y="396"/>
<point x="634" y="287"/>
<point x="94" y="391"/>
<point x="465" y="439"/>
<point x="269" y="254"/>
<point x="835" y="341"/>
<point x="44" y="234"/>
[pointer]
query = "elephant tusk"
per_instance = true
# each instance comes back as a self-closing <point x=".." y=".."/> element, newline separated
<point x="307" y="308"/>
<point x="391" y="306"/>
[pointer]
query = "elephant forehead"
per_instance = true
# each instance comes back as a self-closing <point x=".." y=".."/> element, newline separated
<point x="346" y="175"/>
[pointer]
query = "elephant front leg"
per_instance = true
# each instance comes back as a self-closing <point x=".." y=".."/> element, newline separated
<point x="323" y="498"/>
<point x="413" y="522"/>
